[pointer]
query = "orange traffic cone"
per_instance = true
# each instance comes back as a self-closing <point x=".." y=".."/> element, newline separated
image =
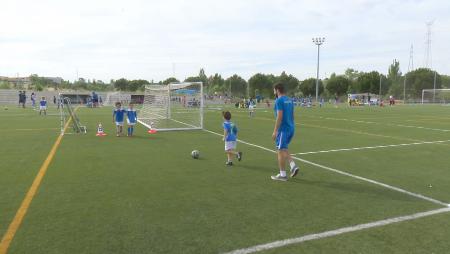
<point x="100" y="132"/>
<point x="151" y="130"/>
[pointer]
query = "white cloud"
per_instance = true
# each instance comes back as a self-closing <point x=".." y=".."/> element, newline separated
<point x="141" y="39"/>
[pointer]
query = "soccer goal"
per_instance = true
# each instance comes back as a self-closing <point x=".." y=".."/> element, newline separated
<point x="439" y="96"/>
<point x="67" y="112"/>
<point x="113" y="97"/>
<point x="176" y="106"/>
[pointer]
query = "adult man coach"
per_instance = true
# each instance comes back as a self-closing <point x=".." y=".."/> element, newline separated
<point x="283" y="132"/>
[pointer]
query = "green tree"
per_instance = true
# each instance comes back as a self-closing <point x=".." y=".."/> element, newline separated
<point x="121" y="84"/>
<point x="368" y="82"/>
<point x="308" y="87"/>
<point x="170" y="80"/>
<point x="80" y="84"/>
<point x="352" y="74"/>
<point x="261" y="83"/>
<point x="203" y="77"/>
<point x="338" y="85"/>
<point x="394" y="73"/>
<point x="236" y="85"/>
<point x="138" y="84"/>
<point x="290" y="82"/>
<point x="217" y="84"/>
<point x="420" y="79"/>
<point x="40" y="82"/>
<point x="4" y="85"/>
<point x="445" y="80"/>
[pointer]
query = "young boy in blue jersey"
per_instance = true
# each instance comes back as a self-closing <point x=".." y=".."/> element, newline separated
<point x="230" y="137"/>
<point x="43" y="106"/>
<point x="118" y="115"/>
<point x="283" y="132"/>
<point x="131" y="119"/>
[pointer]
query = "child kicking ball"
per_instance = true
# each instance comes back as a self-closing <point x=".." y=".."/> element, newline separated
<point x="229" y="137"/>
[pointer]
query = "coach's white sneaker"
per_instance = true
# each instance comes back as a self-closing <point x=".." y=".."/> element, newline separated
<point x="294" y="171"/>
<point x="279" y="178"/>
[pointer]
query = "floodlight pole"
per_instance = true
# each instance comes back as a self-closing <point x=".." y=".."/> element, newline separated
<point x="434" y="88"/>
<point x="318" y="41"/>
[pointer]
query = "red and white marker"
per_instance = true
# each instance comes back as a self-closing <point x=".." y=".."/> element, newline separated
<point x="100" y="132"/>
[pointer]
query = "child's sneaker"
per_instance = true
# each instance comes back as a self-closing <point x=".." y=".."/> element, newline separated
<point x="279" y="178"/>
<point x="229" y="163"/>
<point x="294" y="171"/>
<point x="239" y="156"/>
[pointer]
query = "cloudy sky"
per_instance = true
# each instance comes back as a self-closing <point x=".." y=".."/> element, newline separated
<point x="109" y="39"/>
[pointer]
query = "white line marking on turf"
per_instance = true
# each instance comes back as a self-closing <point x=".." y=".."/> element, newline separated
<point x="420" y="196"/>
<point x="373" y="147"/>
<point x="301" y="239"/>
<point x="387" y="124"/>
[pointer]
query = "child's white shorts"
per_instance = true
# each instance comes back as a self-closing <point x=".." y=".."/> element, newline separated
<point x="230" y="145"/>
<point x="42" y="107"/>
<point x="119" y="123"/>
<point x="130" y="123"/>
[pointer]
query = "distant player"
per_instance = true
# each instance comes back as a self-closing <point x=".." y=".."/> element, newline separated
<point x="283" y="131"/>
<point x="251" y="107"/>
<point x="118" y="115"/>
<point x="131" y="119"/>
<point x="230" y="137"/>
<point x="43" y="106"/>
<point x="33" y="100"/>
<point x="391" y="101"/>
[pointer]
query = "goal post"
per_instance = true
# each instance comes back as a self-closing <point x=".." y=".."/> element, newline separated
<point x="437" y="96"/>
<point x="176" y="106"/>
<point x="67" y="112"/>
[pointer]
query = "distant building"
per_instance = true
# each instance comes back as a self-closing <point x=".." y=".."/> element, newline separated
<point x="25" y="82"/>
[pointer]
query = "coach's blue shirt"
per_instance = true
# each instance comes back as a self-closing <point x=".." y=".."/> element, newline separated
<point x="132" y="115"/>
<point x="286" y="105"/>
<point x="119" y="113"/>
<point x="230" y="128"/>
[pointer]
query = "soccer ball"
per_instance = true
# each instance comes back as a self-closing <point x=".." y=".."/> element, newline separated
<point x="6" y="108"/>
<point x="195" y="154"/>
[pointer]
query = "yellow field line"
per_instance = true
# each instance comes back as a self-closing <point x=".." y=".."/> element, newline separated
<point x="20" y="214"/>
<point x="37" y="129"/>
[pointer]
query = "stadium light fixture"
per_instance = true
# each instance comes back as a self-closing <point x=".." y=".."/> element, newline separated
<point x="318" y="41"/>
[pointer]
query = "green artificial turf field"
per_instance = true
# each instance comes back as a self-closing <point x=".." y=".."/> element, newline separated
<point x="145" y="194"/>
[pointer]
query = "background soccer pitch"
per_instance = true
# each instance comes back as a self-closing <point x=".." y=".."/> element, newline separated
<point x="147" y="195"/>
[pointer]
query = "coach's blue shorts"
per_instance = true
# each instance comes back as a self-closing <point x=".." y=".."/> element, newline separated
<point x="283" y="139"/>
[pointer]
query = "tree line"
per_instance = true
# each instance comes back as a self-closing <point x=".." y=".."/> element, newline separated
<point x="352" y="81"/>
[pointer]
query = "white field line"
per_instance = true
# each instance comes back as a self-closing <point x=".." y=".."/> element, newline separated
<point x="305" y="238"/>
<point x="420" y="196"/>
<point x="373" y="147"/>
<point x="386" y="124"/>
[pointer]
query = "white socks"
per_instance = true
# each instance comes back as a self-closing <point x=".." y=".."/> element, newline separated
<point x="283" y="173"/>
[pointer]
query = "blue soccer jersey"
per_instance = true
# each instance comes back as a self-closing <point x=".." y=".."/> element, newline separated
<point x="286" y="105"/>
<point x="119" y="115"/>
<point x="230" y="128"/>
<point x="43" y="103"/>
<point x="132" y="115"/>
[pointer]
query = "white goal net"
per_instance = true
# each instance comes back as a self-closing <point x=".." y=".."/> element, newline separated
<point x="113" y="97"/>
<point x="438" y="96"/>
<point x="177" y="106"/>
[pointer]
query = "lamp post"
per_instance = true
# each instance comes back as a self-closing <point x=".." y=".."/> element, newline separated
<point x="318" y="41"/>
